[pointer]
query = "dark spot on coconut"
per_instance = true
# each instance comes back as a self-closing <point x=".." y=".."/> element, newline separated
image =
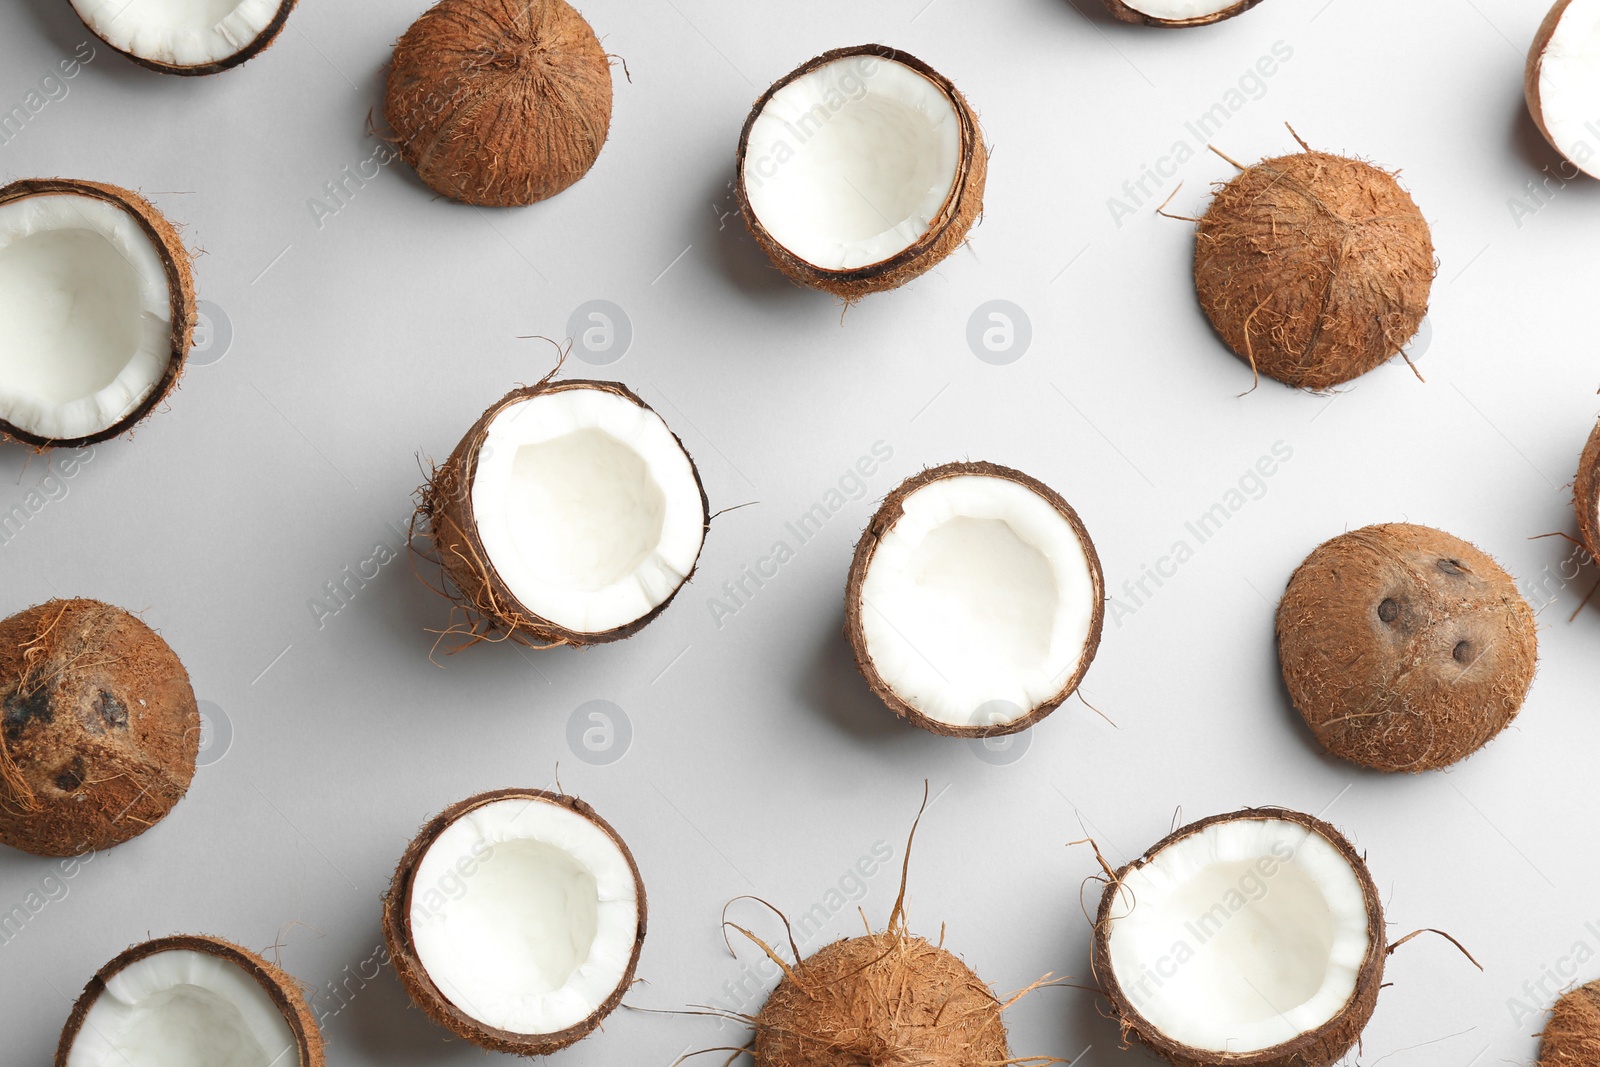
<point x="1388" y="611"/>
<point x="1450" y="566"/>
<point x="1462" y="652"/>
<point x="71" y="776"/>
<point x="113" y="712"/>
<point x="24" y="708"/>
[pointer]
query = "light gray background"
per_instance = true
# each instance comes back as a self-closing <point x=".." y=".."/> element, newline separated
<point x="758" y="762"/>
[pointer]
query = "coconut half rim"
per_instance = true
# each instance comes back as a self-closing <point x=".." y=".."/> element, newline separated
<point x="188" y="37"/>
<point x="190" y="1000"/>
<point x="975" y="600"/>
<point x="1562" y="81"/>
<point x="860" y="170"/>
<point x="1178" y="13"/>
<point x="1586" y="493"/>
<point x="510" y="870"/>
<point x="97" y="310"/>
<point x="1251" y="938"/>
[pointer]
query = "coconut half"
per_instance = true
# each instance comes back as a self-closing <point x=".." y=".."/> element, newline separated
<point x="975" y="600"/>
<point x="97" y="310"/>
<point x="1586" y="494"/>
<point x="1178" y="12"/>
<point x="190" y="1001"/>
<point x="569" y="514"/>
<point x="1562" y="81"/>
<point x="1253" y="939"/>
<point x="516" y="919"/>
<point x="860" y="170"/>
<point x="186" y="36"/>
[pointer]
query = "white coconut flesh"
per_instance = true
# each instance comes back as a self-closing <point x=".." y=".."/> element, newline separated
<point x="1179" y="10"/>
<point x="524" y="915"/>
<point x="182" y="1008"/>
<point x="85" y="315"/>
<point x="179" y="33"/>
<point x="1241" y="936"/>
<point x="1569" y="84"/>
<point x="588" y="508"/>
<point x="978" y="602"/>
<point x="848" y="165"/>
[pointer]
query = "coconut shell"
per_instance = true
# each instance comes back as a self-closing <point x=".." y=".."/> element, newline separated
<point x="446" y="505"/>
<point x="1404" y="648"/>
<point x="180" y="285"/>
<point x="946" y="232"/>
<point x="262" y="42"/>
<point x="1320" y="1047"/>
<point x="499" y="103"/>
<point x="1535" y="67"/>
<point x="414" y="976"/>
<point x="888" y="514"/>
<point x="284" y="991"/>
<point x="886" y="998"/>
<point x="98" y="728"/>
<point x="1314" y="268"/>
<point x="1586" y="494"/>
<point x="1572" y="1035"/>
<point x="1128" y="14"/>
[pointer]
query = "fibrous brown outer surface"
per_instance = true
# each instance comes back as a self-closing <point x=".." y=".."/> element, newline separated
<point x="180" y="285"/>
<point x="98" y="728"/>
<point x="946" y="232"/>
<point x="1314" y="268"/>
<point x="453" y="530"/>
<point x="879" y="526"/>
<point x="882" y="1000"/>
<point x="414" y="976"/>
<point x="1314" y="1048"/>
<point x="500" y="103"/>
<point x="262" y="42"/>
<point x="280" y="987"/>
<point x="1535" y="65"/>
<point x="1586" y="493"/>
<point x="1404" y="648"/>
<point x="1572" y="1033"/>
<point x="1128" y="14"/>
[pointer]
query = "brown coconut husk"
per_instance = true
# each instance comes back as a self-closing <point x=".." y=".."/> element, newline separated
<point x="1128" y="14"/>
<point x="946" y="232"/>
<point x="1404" y="648"/>
<point x="491" y="612"/>
<point x="1314" y="268"/>
<point x="262" y="42"/>
<point x="180" y="285"/>
<point x="99" y="729"/>
<point x="1535" y="67"/>
<point x="1586" y="494"/>
<point x="1571" y="1037"/>
<point x="499" y="103"/>
<point x="1320" y="1047"/>
<point x="283" y="989"/>
<point x="887" y="515"/>
<point x="414" y="976"/>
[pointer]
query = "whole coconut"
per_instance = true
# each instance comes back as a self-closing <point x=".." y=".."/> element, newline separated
<point x="1314" y="268"/>
<point x="1572" y="1035"/>
<point x="98" y="728"/>
<point x="499" y="102"/>
<point x="1404" y="648"/>
<point x="1586" y="493"/>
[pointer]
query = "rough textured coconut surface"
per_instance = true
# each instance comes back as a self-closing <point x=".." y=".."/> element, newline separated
<point x="1404" y="648"/>
<point x="946" y="232"/>
<point x="281" y="988"/>
<point x="1320" y="1047"/>
<point x="886" y="998"/>
<point x="1572" y="1033"/>
<point x="175" y="259"/>
<point x="1178" y="13"/>
<point x="1314" y="268"/>
<point x="98" y="728"/>
<point x="500" y="102"/>
<point x="162" y="36"/>
<point x="1586" y="493"/>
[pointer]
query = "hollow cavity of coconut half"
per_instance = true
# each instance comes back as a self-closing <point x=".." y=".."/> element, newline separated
<point x="568" y="515"/>
<point x="860" y="170"/>
<point x="975" y="600"/>
<point x="1586" y="493"/>
<point x="188" y="37"/>
<point x="1253" y="939"/>
<point x="1178" y="13"/>
<point x="190" y="1001"/>
<point x="97" y="310"/>
<point x="515" y="919"/>
<point x="1562" y="80"/>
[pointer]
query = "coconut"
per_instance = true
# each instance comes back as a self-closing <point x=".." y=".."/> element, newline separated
<point x="186" y="36"/>
<point x="1404" y="648"/>
<point x="499" y="103"/>
<point x="515" y="919"/>
<point x="1572" y="1035"/>
<point x="860" y="170"/>
<point x="569" y="514"/>
<point x="97" y="310"/>
<point x="1178" y="12"/>
<point x="975" y="600"/>
<point x="1562" y="79"/>
<point x="188" y="1001"/>
<point x="1254" y="938"/>
<point x="1586" y="494"/>
<point x="1314" y="268"/>
<point x="98" y="728"/>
